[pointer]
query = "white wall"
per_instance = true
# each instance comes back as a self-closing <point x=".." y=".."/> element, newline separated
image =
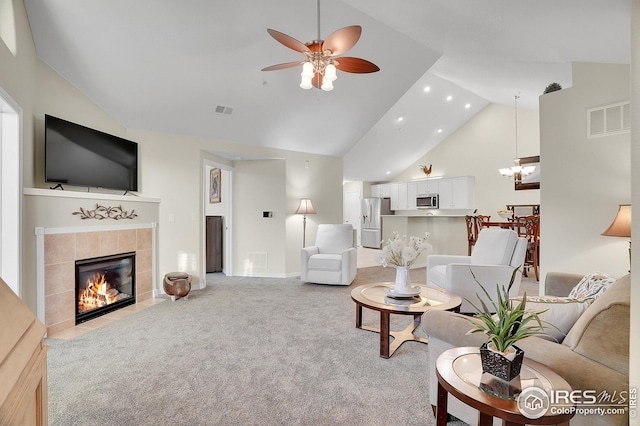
<point x="359" y="188"/>
<point x="584" y="180"/>
<point x="318" y="178"/>
<point x="258" y="241"/>
<point x="634" y="348"/>
<point x="479" y="148"/>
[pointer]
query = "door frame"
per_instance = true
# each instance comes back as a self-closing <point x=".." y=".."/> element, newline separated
<point x="358" y="207"/>
<point x="11" y="192"/>
<point x="227" y="237"/>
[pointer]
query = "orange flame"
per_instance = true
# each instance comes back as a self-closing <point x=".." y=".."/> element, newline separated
<point x="97" y="293"/>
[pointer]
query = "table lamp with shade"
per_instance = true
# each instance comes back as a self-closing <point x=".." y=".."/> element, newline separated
<point x="304" y="209"/>
<point x="621" y="225"/>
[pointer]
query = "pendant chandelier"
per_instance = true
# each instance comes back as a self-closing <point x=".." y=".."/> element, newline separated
<point x="516" y="172"/>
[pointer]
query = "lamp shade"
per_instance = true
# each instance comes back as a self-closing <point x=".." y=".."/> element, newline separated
<point x="305" y="207"/>
<point x="621" y="225"/>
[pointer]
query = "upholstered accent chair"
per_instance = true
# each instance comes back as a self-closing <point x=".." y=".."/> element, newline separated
<point x="333" y="258"/>
<point x="496" y="253"/>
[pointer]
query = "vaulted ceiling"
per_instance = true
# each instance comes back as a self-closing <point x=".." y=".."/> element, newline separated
<point x="167" y="66"/>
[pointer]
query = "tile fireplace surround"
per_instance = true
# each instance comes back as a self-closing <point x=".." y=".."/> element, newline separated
<point x="59" y="248"/>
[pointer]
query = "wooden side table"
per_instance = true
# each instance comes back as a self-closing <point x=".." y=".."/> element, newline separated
<point x="459" y="373"/>
<point x="375" y="297"/>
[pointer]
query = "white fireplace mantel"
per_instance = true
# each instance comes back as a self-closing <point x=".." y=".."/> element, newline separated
<point x="89" y="195"/>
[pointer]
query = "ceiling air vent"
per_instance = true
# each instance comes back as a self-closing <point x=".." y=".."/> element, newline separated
<point x="221" y="109"/>
<point x="609" y="120"/>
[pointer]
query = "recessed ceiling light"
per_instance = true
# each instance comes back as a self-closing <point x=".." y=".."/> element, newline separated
<point x="427" y="89"/>
<point x="449" y="97"/>
<point x="388" y="172"/>
<point x="467" y="106"/>
<point x="399" y="118"/>
<point x="439" y="130"/>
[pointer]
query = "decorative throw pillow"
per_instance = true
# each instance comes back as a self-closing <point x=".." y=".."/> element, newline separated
<point x="561" y="313"/>
<point x="592" y="285"/>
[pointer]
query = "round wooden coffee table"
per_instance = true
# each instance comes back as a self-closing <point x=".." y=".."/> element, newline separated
<point x="377" y="298"/>
<point x="459" y="373"/>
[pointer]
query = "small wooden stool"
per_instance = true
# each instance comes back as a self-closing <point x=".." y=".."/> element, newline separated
<point x="177" y="284"/>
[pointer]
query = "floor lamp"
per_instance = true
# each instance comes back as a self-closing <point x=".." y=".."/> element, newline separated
<point x="304" y="209"/>
<point x="621" y="226"/>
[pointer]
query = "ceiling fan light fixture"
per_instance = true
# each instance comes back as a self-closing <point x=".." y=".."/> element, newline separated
<point x="306" y="83"/>
<point x="327" y="85"/>
<point x="330" y="72"/>
<point x="320" y="60"/>
<point x="307" y="70"/>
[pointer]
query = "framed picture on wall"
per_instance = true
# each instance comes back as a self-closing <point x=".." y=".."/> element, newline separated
<point x="214" y="186"/>
<point x="531" y="181"/>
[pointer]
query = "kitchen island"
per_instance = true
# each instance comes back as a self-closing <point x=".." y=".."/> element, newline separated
<point x="448" y="232"/>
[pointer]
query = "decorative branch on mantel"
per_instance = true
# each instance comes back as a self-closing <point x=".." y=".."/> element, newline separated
<point x="104" y="212"/>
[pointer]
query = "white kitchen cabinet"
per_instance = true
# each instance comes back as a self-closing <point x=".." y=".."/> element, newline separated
<point x="428" y="186"/>
<point x="456" y="193"/>
<point x="394" y="194"/>
<point x="445" y="191"/>
<point x="412" y="193"/>
<point x="403" y="196"/>
<point x="375" y="191"/>
<point x="381" y="190"/>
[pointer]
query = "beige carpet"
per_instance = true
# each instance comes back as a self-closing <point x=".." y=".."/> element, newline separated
<point x="242" y="351"/>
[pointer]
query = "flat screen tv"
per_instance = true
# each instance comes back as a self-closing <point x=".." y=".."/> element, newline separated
<point x="76" y="155"/>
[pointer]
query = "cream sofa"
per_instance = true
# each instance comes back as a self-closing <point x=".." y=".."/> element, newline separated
<point x="594" y="355"/>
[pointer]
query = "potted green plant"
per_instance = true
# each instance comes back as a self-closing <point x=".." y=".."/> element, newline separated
<point x="504" y="322"/>
<point x="553" y="87"/>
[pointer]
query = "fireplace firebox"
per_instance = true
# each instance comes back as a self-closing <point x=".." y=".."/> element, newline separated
<point x="104" y="284"/>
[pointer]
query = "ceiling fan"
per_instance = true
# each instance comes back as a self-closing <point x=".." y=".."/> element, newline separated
<point x="320" y="63"/>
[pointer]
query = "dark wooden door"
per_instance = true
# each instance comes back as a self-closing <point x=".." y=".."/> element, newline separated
<point x="214" y="244"/>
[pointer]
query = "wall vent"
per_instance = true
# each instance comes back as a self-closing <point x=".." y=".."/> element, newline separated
<point x="609" y="120"/>
<point x="221" y="109"/>
<point x="257" y="259"/>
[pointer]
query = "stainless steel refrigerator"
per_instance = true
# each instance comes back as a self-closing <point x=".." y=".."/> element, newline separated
<point x="371" y="211"/>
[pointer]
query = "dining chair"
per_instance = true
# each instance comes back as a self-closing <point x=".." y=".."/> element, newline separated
<point x="480" y="220"/>
<point x="471" y="232"/>
<point x="474" y="225"/>
<point x="529" y="228"/>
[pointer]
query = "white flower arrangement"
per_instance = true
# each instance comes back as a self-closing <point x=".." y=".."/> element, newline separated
<point x="402" y="252"/>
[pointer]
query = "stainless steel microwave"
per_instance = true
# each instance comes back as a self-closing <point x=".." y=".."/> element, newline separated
<point x="429" y="201"/>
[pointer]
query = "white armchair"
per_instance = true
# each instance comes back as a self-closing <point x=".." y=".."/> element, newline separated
<point x="333" y="258"/>
<point x="495" y="255"/>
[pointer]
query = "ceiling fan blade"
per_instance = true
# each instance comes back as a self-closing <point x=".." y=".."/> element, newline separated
<point x="288" y="41"/>
<point x="282" y="66"/>
<point x="356" y="65"/>
<point x="342" y="40"/>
